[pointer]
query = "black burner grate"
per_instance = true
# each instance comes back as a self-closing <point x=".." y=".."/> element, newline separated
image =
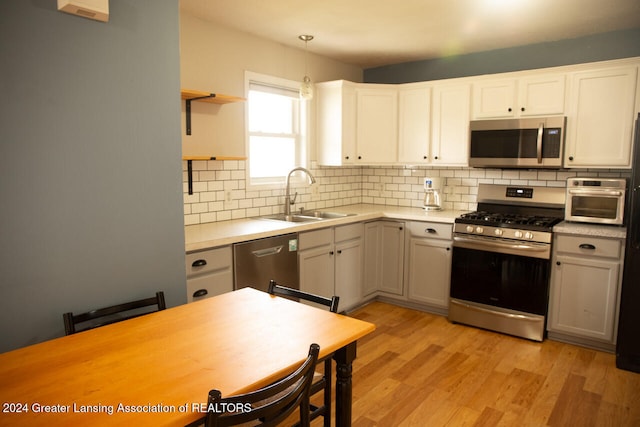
<point x="501" y="219"/>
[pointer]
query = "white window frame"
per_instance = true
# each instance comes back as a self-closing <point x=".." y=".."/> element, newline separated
<point x="302" y="119"/>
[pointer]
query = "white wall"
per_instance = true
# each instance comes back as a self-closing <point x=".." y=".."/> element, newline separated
<point x="215" y="58"/>
<point x="89" y="163"/>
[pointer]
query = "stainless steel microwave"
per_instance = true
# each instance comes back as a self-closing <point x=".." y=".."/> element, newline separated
<point x="517" y="143"/>
<point x="595" y="200"/>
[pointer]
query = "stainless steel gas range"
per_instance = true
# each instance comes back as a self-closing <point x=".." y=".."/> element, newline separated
<point x="502" y="259"/>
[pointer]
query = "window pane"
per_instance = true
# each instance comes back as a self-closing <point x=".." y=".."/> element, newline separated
<point x="270" y="113"/>
<point x="271" y="156"/>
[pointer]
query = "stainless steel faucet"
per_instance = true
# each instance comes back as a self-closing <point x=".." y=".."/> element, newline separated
<point x="287" y="196"/>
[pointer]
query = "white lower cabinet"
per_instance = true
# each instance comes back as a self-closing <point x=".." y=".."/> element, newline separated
<point x="209" y="273"/>
<point x="429" y="264"/>
<point x="585" y="287"/>
<point x="330" y="262"/>
<point x="384" y="257"/>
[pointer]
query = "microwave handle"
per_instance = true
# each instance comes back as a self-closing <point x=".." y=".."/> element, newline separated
<point x="539" y="142"/>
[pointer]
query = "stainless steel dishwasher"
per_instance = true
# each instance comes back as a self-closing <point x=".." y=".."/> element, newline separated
<point x="258" y="261"/>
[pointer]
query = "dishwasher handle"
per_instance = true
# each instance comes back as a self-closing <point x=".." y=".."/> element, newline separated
<point x="267" y="251"/>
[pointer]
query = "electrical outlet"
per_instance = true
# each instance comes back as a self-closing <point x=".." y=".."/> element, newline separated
<point x="227" y="196"/>
<point x="315" y="189"/>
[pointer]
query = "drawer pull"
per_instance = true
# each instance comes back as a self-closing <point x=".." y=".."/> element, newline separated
<point x="200" y="293"/>
<point x="587" y="246"/>
<point x="430" y="230"/>
<point x="199" y="263"/>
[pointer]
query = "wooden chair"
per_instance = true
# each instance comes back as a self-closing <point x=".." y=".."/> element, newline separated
<point x="320" y="381"/>
<point x="270" y="405"/>
<point x="112" y="314"/>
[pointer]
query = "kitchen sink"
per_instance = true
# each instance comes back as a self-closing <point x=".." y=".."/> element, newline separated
<point x="292" y="218"/>
<point x="307" y="216"/>
<point x="325" y="214"/>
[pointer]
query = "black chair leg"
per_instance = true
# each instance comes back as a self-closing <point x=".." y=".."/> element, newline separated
<point x="327" y="393"/>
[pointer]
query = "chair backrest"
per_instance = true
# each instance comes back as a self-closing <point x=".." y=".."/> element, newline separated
<point x="112" y="314"/>
<point x="269" y="405"/>
<point x="332" y="303"/>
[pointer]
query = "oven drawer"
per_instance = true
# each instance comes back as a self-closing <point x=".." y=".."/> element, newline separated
<point x="432" y="230"/>
<point x="588" y="245"/>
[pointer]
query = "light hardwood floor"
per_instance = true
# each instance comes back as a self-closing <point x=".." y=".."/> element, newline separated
<point x="419" y="369"/>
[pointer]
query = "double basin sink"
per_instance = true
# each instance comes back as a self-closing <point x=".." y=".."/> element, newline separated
<point x="307" y="216"/>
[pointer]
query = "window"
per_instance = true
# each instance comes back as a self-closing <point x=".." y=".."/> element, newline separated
<point x="276" y="123"/>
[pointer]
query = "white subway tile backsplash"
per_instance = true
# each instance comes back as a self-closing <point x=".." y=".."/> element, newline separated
<point x="214" y="180"/>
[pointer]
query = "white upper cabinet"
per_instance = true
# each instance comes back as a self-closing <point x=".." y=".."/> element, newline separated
<point x="428" y="122"/>
<point x="451" y="113"/>
<point x="336" y="122"/>
<point x="377" y="124"/>
<point x="535" y="95"/>
<point x="414" y="124"/>
<point x="600" y="118"/>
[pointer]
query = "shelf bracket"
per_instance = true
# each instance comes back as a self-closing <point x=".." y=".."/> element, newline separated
<point x="190" y="175"/>
<point x="188" y="109"/>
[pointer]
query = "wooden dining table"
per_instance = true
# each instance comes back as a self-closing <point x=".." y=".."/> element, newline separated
<point x="157" y="369"/>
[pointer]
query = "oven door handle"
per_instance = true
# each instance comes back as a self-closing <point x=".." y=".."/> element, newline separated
<point x="600" y="193"/>
<point x="502" y="245"/>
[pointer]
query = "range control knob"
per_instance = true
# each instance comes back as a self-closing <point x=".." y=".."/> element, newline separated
<point x="469" y="229"/>
<point x="528" y="235"/>
<point x="518" y="234"/>
<point x="479" y="230"/>
<point x="498" y="232"/>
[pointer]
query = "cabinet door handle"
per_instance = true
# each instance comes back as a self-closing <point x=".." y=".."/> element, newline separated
<point x="330" y="252"/>
<point x="558" y="263"/>
<point x="400" y="228"/>
<point x="200" y="293"/>
<point x="587" y="246"/>
<point x="430" y="230"/>
<point x="199" y="263"/>
<point x="340" y="251"/>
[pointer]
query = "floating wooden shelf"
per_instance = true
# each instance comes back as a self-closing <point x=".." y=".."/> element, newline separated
<point x="213" y="158"/>
<point x="212" y="98"/>
<point x="190" y="95"/>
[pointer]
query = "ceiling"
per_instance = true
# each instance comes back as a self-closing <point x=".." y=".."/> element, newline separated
<point x="373" y="33"/>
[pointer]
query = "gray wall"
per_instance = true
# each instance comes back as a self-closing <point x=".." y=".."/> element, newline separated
<point x="90" y="162"/>
<point x="599" y="47"/>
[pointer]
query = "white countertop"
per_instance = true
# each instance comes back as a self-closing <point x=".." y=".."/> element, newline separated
<point x="210" y="235"/>
<point x="599" y="230"/>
